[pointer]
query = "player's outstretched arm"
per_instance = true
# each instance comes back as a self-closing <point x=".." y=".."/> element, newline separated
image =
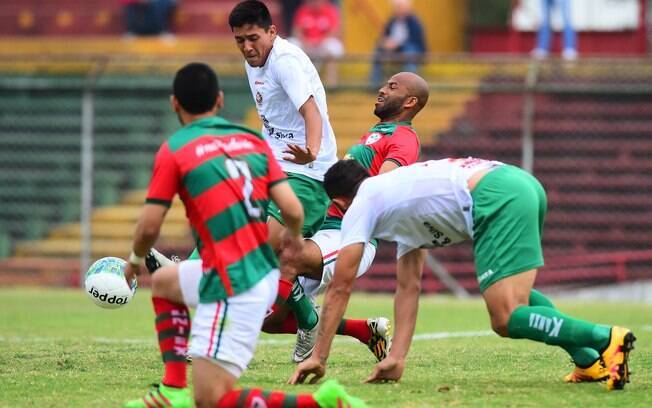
<point x="335" y="302"/>
<point x="147" y="231"/>
<point x="290" y="206"/>
<point x="406" y="305"/>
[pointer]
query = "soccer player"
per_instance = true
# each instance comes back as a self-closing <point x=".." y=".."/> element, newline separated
<point x="225" y="175"/>
<point x="291" y="103"/>
<point x="389" y="144"/>
<point x="443" y="202"/>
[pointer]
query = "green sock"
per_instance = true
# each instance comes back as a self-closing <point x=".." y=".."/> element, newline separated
<point x="303" y="309"/>
<point x="582" y="356"/>
<point x="547" y="325"/>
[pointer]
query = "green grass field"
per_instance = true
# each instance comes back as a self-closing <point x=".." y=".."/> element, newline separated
<point x="60" y="350"/>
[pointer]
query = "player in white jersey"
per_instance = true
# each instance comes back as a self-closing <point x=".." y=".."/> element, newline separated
<point x="291" y="102"/>
<point x="439" y="203"/>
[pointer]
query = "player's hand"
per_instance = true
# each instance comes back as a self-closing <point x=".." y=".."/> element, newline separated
<point x="291" y="247"/>
<point x="299" y="154"/>
<point x="312" y="366"/>
<point x="131" y="271"/>
<point x="389" y="369"/>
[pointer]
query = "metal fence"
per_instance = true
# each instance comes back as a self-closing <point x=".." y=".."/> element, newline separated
<point x="80" y="134"/>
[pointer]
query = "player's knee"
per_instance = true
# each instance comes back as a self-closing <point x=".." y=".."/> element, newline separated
<point x="499" y="326"/>
<point x="161" y="281"/>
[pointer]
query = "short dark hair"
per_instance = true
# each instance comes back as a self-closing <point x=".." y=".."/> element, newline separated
<point x="252" y="12"/>
<point x="344" y="178"/>
<point x="196" y="88"/>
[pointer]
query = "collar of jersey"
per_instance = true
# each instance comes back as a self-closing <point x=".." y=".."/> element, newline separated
<point x="388" y="127"/>
<point x="209" y="122"/>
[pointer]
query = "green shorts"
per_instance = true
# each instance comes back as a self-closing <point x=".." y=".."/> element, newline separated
<point x="509" y="207"/>
<point x="313" y="198"/>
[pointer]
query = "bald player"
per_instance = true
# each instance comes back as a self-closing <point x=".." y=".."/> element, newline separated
<point x="389" y="144"/>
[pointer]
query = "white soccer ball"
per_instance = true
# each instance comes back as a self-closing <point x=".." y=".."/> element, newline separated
<point x="106" y="285"/>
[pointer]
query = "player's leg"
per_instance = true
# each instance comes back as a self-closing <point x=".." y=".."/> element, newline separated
<point x="174" y="288"/>
<point x="511" y="316"/>
<point x="314" y="201"/>
<point x="509" y="210"/>
<point x="589" y="366"/>
<point x="222" y="352"/>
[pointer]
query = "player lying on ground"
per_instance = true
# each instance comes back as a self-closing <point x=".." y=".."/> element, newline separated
<point x="389" y="144"/>
<point x="439" y="203"/>
<point x="225" y="175"/>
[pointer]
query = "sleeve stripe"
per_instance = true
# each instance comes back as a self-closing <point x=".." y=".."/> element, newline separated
<point x="398" y="163"/>
<point x="275" y="182"/>
<point x="164" y="203"/>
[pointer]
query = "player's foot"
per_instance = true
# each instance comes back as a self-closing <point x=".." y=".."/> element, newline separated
<point x="161" y="395"/>
<point x="332" y="395"/>
<point x="154" y="260"/>
<point x="597" y="372"/>
<point x="381" y="337"/>
<point x="615" y="357"/>
<point x="306" y="340"/>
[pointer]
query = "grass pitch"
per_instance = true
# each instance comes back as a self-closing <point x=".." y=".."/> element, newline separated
<point x="60" y="350"/>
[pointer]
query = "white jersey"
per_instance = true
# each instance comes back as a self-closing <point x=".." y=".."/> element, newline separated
<point x="424" y="205"/>
<point x="280" y="88"/>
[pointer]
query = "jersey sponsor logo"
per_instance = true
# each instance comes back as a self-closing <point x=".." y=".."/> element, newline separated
<point x="259" y="98"/>
<point x="273" y="133"/>
<point x="373" y="138"/>
<point x="232" y="145"/>
<point x="257" y="82"/>
<point x="548" y="325"/>
<point x="439" y="239"/>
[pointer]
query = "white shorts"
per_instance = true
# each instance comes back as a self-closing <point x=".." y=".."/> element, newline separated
<point x="328" y="241"/>
<point x="226" y="332"/>
<point x="190" y="273"/>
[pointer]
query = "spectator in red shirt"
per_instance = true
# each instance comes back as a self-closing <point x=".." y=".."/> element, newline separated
<point x="316" y="30"/>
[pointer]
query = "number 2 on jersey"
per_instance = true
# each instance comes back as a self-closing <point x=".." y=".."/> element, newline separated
<point x="239" y="168"/>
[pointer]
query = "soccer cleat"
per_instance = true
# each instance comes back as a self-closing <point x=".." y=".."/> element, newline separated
<point x="596" y="372"/>
<point x="154" y="260"/>
<point x="306" y="340"/>
<point x="616" y="355"/>
<point x="332" y="395"/>
<point x="381" y="337"/>
<point x="162" y="396"/>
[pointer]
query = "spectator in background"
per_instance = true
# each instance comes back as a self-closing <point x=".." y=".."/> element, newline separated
<point x="149" y="17"/>
<point x="403" y="40"/>
<point x="316" y="29"/>
<point x="544" y="35"/>
<point x="288" y="10"/>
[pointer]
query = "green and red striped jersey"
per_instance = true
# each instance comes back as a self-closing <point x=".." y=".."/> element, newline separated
<point x="395" y="141"/>
<point x="222" y="173"/>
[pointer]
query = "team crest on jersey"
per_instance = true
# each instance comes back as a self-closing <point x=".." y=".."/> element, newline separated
<point x="259" y="98"/>
<point x="373" y="138"/>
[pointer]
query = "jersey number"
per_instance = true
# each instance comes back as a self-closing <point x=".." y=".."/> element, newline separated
<point x="239" y="168"/>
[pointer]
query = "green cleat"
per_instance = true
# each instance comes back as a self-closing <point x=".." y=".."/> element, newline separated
<point x="160" y="396"/>
<point x="332" y="395"/>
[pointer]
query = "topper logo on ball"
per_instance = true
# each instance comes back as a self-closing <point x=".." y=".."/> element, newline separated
<point x="103" y="297"/>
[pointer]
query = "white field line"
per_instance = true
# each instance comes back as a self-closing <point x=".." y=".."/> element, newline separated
<point x="267" y="341"/>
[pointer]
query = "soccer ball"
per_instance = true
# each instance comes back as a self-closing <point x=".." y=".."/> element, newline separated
<point x="106" y="285"/>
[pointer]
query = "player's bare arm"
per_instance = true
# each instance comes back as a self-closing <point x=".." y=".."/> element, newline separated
<point x="406" y="304"/>
<point x="304" y="155"/>
<point x="335" y="302"/>
<point x="147" y="231"/>
<point x="292" y="212"/>
<point x="388" y="165"/>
